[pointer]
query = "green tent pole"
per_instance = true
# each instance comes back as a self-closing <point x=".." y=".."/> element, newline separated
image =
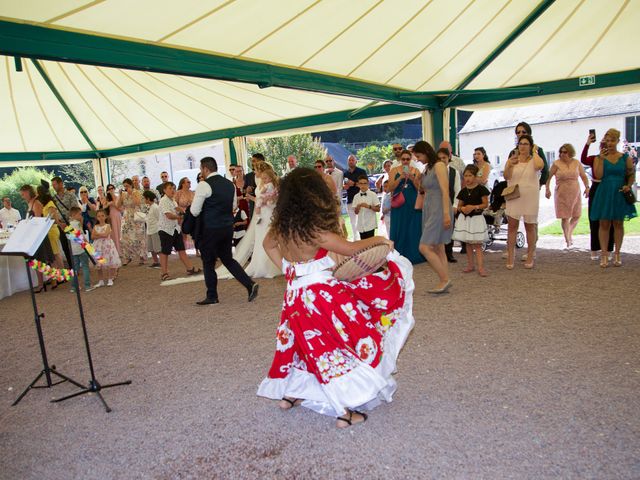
<point x="232" y="153"/>
<point x="453" y="131"/>
<point x="438" y="127"/>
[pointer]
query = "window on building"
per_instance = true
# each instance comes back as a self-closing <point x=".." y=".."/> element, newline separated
<point x="551" y="157"/>
<point x="497" y="159"/>
<point x="632" y="129"/>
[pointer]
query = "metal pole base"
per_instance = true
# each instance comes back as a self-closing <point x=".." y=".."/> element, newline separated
<point x="94" y="387"/>
<point x="47" y="372"/>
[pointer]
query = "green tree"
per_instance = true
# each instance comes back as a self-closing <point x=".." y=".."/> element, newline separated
<point x="11" y="183"/>
<point x="78" y="174"/>
<point x="372" y="157"/>
<point x="276" y="150"/>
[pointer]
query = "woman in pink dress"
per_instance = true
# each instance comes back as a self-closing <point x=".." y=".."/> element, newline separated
<point x="184" y="197"/>
<point x="567" y="193"/>
<point x="523" y="169"/>
<point x="115" y="216"/>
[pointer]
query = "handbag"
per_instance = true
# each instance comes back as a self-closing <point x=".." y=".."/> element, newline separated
<point x="397" y="199"/>
<point x="419" y="200"/>
<point x="511" y="192"/>
<point x="629" y="197"/>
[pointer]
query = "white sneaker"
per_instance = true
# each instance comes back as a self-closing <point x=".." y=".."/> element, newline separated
<point x="110" y="283"/>
<point x="91" y="288"/>
<point x="99" y="284"/>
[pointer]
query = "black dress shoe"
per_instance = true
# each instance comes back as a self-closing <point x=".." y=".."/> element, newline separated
<point x="452" y="260"/>
<point x="208" y="301"/>
<point x="253" y="293"/>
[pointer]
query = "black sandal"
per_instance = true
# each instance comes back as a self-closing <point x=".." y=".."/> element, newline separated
<point x="349" y="420"/>
<point x="164" y="277"/>
<point x="292" y="402"/>
<point x="194" y="271"/>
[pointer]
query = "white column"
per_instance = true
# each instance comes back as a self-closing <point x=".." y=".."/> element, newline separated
<point x="427" y="126"/>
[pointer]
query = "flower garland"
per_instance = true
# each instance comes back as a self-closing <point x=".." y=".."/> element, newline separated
<point x="78" y="237"/>
<point x="59" y="274"/>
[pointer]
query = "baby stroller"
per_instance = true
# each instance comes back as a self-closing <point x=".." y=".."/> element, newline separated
<point x="497" y="220"/>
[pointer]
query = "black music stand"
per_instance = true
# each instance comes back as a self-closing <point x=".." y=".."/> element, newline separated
<point x="47" y="371"/>
<point x="93" y="384"/>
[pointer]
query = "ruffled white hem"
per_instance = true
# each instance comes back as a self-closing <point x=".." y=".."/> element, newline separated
<point x="364" y="387"/>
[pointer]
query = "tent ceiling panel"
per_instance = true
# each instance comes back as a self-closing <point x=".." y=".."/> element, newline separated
<point x="41" y="10"/>
<point x="123" y="17"/>
<point x="557" y="46"/>
<point x="296" y="42"/>
<point x="32" y="118"/>
<point x="460" y="42"/>
<point x="239" y="25"/>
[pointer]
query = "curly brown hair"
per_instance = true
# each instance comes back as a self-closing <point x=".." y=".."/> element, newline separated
<point x="305" y="207"/>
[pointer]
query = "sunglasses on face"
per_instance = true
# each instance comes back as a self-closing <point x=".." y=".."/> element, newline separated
<point x="563" y="151"/>
<point x="318" y="166"/>
<point x="397" y="148"/>
<point x="521" y="132"/>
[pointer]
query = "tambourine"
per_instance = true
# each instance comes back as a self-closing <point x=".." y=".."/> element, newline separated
<point x="362" y="263"/>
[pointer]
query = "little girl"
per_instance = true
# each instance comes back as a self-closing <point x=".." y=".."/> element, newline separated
<point x="103" y="243"/>
<point x="268" y="191"/>
<point x="471" y="227"/>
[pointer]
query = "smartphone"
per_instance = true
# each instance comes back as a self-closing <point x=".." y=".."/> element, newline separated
<point x="592" y="134"/>
<point x="405" y="169"/>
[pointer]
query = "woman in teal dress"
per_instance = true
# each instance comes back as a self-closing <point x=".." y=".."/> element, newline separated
<point x="406" y="221"/>
<point x="609" y="207"/>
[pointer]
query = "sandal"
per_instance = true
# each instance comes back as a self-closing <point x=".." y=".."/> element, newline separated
<point x="194" y="271"/>
<point x="468" y="270"/>
<point x="349" y="421"/>
<point x="482" y="272"/>
<point x="293" y="402"/>
<point x="126" y="263"/>
<point x="164" y="277"/>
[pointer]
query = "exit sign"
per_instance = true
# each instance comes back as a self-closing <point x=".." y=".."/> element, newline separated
<point x="587" y="81"/>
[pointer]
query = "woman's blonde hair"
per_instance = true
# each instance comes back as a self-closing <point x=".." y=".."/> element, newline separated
<point x="569" y="148"/>
<point x="613" y="133"/>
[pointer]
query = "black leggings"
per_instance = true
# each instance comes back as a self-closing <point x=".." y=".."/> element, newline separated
<point x="594" y="225"/>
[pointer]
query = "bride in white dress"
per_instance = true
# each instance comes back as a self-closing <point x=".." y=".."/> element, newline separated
<point x="250" y="246"/>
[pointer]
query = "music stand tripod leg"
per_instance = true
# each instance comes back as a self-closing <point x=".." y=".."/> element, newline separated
<point x="46" y="371"/>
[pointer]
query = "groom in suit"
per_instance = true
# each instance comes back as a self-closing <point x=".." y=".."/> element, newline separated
<point x="214" y="202"/>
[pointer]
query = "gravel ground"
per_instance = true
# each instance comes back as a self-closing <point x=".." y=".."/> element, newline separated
<point x="524" y="374"/>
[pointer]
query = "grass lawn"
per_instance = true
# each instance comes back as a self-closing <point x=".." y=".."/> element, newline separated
<point x="631" y="227"/>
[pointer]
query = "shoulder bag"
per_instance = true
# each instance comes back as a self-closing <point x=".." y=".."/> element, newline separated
<point x="397" y="200"/>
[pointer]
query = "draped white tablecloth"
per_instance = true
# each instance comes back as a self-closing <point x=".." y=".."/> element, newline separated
<point x="13" y="275"/>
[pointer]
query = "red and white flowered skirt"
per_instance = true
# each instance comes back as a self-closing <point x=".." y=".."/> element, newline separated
<point x="337" y="342"/>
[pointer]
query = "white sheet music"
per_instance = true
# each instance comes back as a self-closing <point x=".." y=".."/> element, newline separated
<point x="28" y="236"/>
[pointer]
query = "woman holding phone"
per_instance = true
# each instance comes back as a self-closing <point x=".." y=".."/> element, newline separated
<point x="406" y="221"/>
<point x="616" y="174"/>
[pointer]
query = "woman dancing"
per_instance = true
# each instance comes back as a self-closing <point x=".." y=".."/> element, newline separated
<point x="337" y="342"/>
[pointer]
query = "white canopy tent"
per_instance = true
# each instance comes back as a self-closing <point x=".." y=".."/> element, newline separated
<point x="105" y="78"/>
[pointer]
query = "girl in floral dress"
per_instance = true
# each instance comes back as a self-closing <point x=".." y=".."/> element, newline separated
<point x="103" y="243"/>
<point x="337" y="342"/>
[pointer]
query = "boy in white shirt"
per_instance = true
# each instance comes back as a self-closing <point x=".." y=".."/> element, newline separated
<point x="170" y="233"/>
<point x="151" y="221"/>
<point x="366" y="205"/>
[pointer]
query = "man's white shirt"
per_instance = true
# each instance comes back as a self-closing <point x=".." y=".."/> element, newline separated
<point x="203" y="191"/>
<point x="9" y="216"/>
